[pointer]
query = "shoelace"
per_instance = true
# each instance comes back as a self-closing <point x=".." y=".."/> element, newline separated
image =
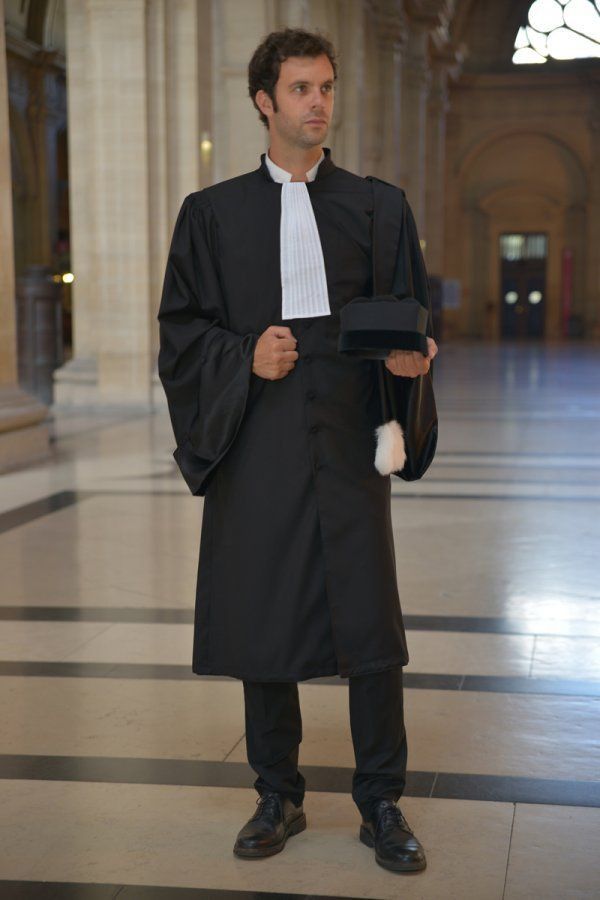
<point x="391" y="815"/>
<point x="268" y="801"/>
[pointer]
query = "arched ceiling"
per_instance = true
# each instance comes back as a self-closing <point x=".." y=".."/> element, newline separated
<point x="488" y="29"/>
<point x="481" y="33"/>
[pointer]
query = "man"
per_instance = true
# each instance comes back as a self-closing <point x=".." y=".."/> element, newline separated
<point x="276" y="429"/>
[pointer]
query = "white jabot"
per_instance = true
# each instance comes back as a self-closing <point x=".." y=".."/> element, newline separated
<point x="303" y="279"/>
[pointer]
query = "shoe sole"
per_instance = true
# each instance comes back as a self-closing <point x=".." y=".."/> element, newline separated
<point x="366" y="838"/>
<point x="293" y="828"/>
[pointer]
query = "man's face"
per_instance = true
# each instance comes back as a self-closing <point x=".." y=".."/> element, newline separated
<point x="304" y="96"/>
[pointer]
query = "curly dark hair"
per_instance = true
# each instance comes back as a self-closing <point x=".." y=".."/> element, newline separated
<point x="275" y="48"/>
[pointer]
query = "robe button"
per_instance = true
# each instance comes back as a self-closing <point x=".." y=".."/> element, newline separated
<point x="311" y="395"/>
<point x="307" y="357"/>
<point x="313" y="429"/>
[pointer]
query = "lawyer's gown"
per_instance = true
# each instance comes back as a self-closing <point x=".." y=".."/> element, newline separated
<point x="297" y="573"/>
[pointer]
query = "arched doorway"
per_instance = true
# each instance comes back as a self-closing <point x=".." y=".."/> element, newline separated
<point x="523" y="285"/>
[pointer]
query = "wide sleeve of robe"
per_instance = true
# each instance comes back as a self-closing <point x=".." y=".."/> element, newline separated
<point x="410" y="277"/>
<point x="205" y="368"/>
<point x="402" y="272"/>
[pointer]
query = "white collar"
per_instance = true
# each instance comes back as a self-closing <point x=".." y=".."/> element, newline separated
<point x="279" y="174"/>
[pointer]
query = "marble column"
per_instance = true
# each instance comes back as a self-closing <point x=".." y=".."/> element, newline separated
<point x="24" y="432"/>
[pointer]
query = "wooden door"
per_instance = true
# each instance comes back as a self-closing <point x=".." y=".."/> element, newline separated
<point x="522" y="285"/>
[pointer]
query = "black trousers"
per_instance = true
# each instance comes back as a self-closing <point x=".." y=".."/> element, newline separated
<point x="274" y="733"/>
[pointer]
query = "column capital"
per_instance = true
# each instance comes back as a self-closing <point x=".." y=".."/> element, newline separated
<point x="447" y="56"/>
<point x="390" y="23"/>
<point x="430" y="14"/>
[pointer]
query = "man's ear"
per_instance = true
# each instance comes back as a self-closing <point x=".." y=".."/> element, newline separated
<point x="263" y="100"/>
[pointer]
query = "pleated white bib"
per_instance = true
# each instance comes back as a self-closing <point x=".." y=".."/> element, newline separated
<point x="303" y="279"/>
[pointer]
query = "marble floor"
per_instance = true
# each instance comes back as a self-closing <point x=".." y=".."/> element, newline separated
<point x="123" y="774"/>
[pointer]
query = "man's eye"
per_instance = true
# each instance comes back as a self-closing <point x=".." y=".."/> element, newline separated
<point x="300" y="87"/>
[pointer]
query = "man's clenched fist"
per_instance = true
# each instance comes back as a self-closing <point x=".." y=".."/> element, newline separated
<point x="275" y="353"/>
<point x="411" y="363"/>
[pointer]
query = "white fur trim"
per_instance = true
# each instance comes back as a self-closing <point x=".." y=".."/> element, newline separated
<point x="390" y="455"/>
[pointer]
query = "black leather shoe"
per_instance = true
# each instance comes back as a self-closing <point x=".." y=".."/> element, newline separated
<point x="396" y="846"/>
<point x="275" y="820"/>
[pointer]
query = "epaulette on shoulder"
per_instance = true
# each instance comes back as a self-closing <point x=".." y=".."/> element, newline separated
<point x="382" y="181"/>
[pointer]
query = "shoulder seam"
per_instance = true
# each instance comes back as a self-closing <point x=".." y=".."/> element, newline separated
<point x="197" y="198"/>
<point x="388" y="183"/>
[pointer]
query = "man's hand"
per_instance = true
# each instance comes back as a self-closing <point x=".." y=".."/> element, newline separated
<point x="275" y="354"/>
<point x="411" y="363"/>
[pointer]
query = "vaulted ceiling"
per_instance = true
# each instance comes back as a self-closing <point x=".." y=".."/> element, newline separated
<point x="488" y="29"/>
<point x="484" y="30"/>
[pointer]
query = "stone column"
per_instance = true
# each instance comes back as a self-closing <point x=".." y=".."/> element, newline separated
<point x="179" y="89"/>
<point x="435" y="176"/>
<point x="240" y="137"/>
<point x="346" y="134"/>
<point x="592" y="288"/>
<point x="109" y="178"/>
<point x="40" y="113"/>
<point x="390" y="46"/>
<point x="134" y="153"/>
<point x="480" y="250"/>
<point x="24" y="435"/>
<point x="416" y="78"/>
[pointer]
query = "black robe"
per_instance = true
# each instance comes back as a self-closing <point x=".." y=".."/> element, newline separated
<point x="297" y="570"/>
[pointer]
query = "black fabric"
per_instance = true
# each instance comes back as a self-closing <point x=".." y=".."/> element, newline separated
<point x="273" y="736"/>
<point x="376" y="344"/>
<point x="297" y="570"/>
<point x="205" y="369"/>
<point x="274" y="733"/>
<point x="385" y="313"/>
<point x="410" y="401"/>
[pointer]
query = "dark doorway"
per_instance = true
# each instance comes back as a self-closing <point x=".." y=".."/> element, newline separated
<point x="523" y="285"/>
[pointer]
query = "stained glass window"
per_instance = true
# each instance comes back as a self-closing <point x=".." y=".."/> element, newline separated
<point x="559" y="29"/>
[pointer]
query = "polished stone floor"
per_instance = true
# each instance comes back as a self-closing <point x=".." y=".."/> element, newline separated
<point x="124" y="774"/>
